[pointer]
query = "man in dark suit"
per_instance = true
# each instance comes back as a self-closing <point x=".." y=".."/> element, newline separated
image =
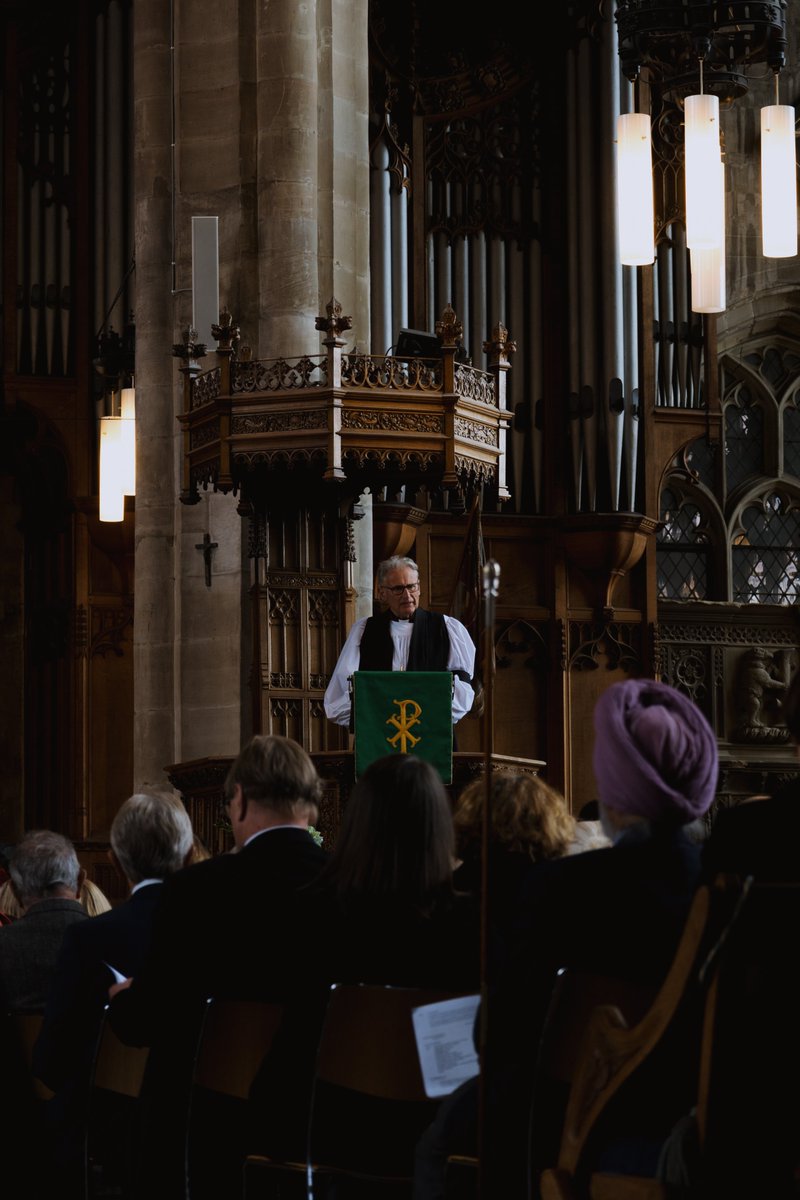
<point x="224" y="928"/>
<point x="46" y="877"/>
<point x="151" y="838"/>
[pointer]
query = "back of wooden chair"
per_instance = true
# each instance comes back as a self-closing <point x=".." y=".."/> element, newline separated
<point x="575" y="997"/>
<point x="614" y="1055"/>
<point x="368" y="1042"/>
<point x="368" y="1103"/>
<point x="115" y="1083"/>
<point x="234" y="1038"/>
<point x="117" y="1068"/>
<point x="25" y="1028"/>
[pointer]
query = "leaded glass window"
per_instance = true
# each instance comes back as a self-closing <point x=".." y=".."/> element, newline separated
<point x="682" y="556"/>
<point x="766" y="553"/>
<point x="744" y="440"/>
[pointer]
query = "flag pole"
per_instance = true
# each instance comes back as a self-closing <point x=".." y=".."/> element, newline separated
<point x="491" y="584"/>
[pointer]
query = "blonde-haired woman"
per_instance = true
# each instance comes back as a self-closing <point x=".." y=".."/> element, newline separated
<point x="529" y="822"/>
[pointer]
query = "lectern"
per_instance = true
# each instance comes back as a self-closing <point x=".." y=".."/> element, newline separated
<point x="403" y="712"/>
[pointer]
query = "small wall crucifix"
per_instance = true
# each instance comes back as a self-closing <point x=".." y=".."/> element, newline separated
<point x="208" y="547"/>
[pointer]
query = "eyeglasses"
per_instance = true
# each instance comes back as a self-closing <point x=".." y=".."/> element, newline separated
<point x="403" y="587"/>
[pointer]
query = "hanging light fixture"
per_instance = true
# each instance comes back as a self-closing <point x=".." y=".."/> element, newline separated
<point x="112" y="496"/>
<point x="128" y="418"/>
<point x="708" y="264"/>
<point x="705" y="225"/>
<point x="635" y="190"/>
<point x="117" y="425"/>
<point x="667" y="40"/>
<point x="778" y="180"/>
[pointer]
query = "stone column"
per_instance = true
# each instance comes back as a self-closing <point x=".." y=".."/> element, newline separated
<point x="287" y="178"/>
<point x="154" y="734"/>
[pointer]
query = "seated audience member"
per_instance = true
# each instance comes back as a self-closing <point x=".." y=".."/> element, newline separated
<point x="385" y="908"/>
<point x="151" y="838"/>
<point x="589" y="833"/>
<point x="91" y="897"/>
<point x="9" y="905"/>
<point x="529" y="822"/>
<point x="244" y="948"/>
<point x="200" y="851"/>
<point x="384" y="911"/>
<point x="46" y="878"/>
<point x="759" y="837"/>
<point x="94" y="899"/>
<point x="616" y="912"/>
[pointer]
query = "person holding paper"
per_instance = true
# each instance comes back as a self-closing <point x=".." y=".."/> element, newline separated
<point x="151" y="838"/>
<point x="404" y="637"/>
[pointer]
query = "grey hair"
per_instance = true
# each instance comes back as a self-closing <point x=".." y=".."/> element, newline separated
<point x="395" y="563"/>
<point x="151" y="836"/>
<point x="41" y="862"/>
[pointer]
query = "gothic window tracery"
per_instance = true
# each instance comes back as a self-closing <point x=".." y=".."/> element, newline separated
<point x="753" y="502"/>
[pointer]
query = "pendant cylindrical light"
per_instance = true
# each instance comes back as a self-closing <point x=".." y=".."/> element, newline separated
<point x="778" y="182"/>
<point x="635" y="190"/>
<point x="112" y="497"/>
<point x="708" y="280"/>
<point x="708" y="266"/>
<point x="705" y="228"/>
<point x="128" y="417"/>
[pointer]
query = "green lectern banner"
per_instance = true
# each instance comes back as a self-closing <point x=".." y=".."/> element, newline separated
<point x="404" y="712"/>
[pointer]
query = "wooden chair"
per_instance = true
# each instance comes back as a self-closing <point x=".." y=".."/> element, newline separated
<point x="368" y="1104"/>
<point x="575" y="996"/>
<point x="115" y="1084"/>
<point x="623" y="1069"/>
<point x="24" y="1029"/>
<point x="235" y="1037"/>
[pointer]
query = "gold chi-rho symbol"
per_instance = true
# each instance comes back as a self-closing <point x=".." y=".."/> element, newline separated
<point x="404" y="721"/>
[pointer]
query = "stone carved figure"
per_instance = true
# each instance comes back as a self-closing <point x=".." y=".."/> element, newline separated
<point x="758" y="699"/>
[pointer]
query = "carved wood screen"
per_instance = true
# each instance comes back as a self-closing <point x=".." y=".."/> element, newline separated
<point x="296" y="619"/>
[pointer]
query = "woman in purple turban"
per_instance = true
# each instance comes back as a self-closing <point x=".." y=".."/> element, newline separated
<point x="655" y="755"/>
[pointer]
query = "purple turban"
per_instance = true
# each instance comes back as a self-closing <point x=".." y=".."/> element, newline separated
<point x="655" y="754"/>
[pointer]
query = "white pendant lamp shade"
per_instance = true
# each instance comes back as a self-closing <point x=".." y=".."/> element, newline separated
<point x="635" y="190"/>
<point x="778" y="182"/>
<point x="708" y="266"/>
<point x="705" y="226"/>
<point x="112" y="497"/>
<point x="708" y="281"/>
<point x="128" y="417"/>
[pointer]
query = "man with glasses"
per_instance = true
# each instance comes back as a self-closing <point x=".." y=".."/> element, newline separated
<point x="403" y="638"/>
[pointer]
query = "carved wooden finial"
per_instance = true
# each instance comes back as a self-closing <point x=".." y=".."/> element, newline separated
<point x="226" y="333"/>
<point x="189" y="349"/>
<point x="334" y="325"/>
<point x="500" y="345"/>
<point x="449" y="328"/>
